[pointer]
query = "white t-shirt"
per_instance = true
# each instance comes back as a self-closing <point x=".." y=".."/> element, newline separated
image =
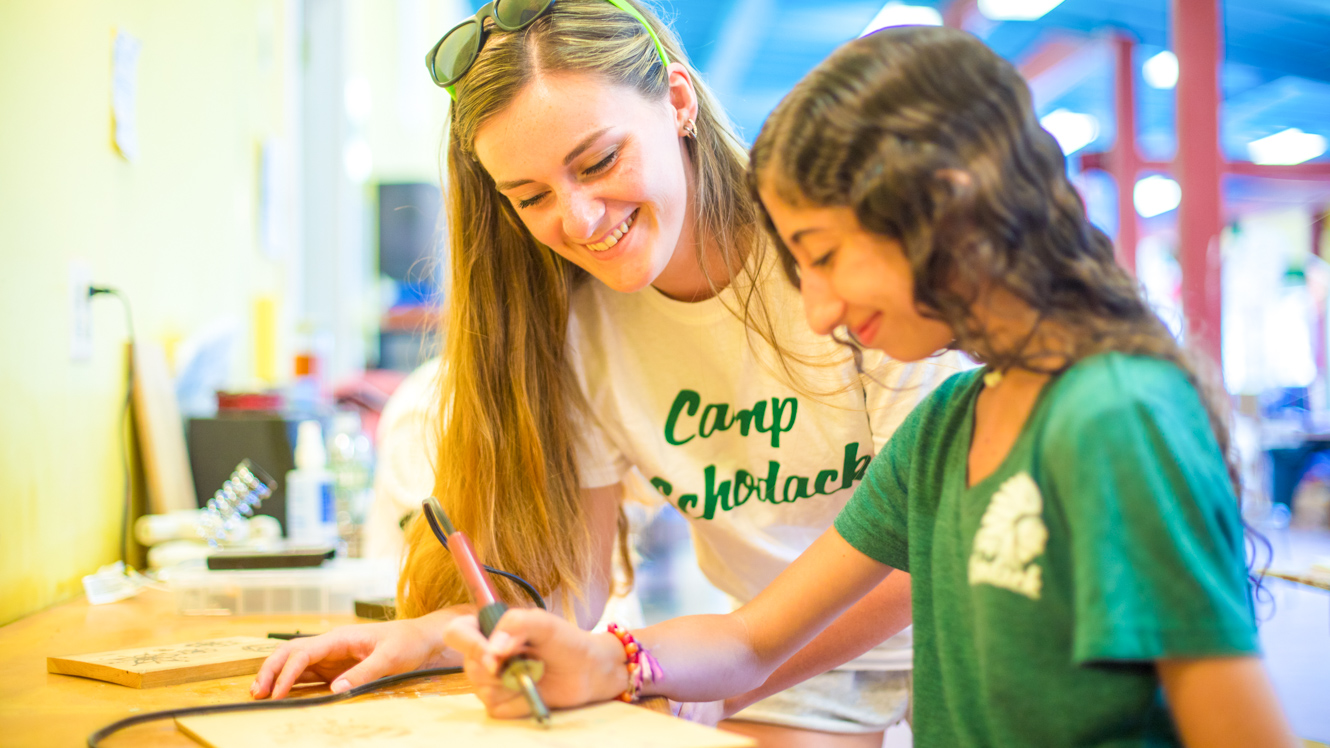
<point x="760" y="470"/>
<point x="407" y="442"/>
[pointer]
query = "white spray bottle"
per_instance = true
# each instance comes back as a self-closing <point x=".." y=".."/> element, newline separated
<point x="311" y="515"/>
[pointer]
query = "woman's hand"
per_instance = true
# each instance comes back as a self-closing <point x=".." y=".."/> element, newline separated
<point x="580" y="668"/>
<point x="351" y="656"/>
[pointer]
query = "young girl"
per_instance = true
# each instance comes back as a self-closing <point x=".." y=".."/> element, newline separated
<point x="1066" y="514"/>
<point x="614" y="304"/>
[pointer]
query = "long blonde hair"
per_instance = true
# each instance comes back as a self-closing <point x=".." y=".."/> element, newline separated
<point x="506" y="467"/>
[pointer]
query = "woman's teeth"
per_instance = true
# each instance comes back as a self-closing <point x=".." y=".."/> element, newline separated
<point x="614" y="236"/>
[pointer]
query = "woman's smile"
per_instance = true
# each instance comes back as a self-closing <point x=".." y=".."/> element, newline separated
<point x="614" y="238"/>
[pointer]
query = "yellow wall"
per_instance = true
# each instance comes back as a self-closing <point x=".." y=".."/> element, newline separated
<point x="175" y="231"/>
<point x="387" y="45"/>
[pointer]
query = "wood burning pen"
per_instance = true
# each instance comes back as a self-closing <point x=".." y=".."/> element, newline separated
<point x="519" y="673"/>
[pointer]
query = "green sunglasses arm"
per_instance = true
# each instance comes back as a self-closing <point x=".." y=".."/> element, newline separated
<point x="630" y="10"/>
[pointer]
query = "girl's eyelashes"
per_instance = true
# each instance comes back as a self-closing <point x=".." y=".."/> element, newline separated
<point x="822" y="261"/>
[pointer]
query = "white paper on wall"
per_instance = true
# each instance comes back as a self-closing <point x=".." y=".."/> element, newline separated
<point x="124" y="92"/>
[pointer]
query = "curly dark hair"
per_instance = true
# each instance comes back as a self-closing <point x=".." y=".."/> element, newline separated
<point x="931" y="139"/>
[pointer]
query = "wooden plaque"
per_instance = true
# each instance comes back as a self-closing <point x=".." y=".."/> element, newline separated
<point x="169" y="665"/>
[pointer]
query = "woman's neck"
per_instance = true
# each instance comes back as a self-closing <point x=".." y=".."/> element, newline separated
<point x="685" y="279"/>
<point x="688" y="277"/>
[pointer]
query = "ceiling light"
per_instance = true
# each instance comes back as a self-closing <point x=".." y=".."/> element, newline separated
<point x="1156" y="195"/>
<point x="1072" y="130"/>
<point x="1016" y="10"/>
<point x="899" y="14"/>
<point x="1292" y="146"/>
<point x="1161" y="71"/>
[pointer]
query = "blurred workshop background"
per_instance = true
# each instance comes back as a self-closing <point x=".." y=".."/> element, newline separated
<point x="257" y="180"/>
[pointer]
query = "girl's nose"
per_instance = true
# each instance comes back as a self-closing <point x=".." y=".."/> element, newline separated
<point x="823" y="308"/>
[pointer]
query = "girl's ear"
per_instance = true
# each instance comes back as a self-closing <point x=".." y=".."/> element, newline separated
<point x="683" y="97"/>
<point x="959" y="179"/>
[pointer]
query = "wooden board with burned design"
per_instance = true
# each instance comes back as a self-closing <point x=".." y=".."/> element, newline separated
<point x="169" y="665"/>
<point x="453" y="721"/>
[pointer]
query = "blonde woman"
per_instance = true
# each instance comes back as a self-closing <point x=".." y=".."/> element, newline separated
<point x="614" y="304"/>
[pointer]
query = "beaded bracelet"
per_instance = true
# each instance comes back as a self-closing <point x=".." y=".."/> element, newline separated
<point x="642" y="667"/>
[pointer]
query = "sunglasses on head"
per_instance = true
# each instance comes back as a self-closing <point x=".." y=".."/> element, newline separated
<point x="454" y="54"/>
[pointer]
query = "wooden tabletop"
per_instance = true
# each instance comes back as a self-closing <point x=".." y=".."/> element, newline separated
<point x="41" y="709"/>
<point x="1319" y="581"/>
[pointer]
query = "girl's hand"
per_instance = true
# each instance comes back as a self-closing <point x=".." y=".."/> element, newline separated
<point x="708" y="713"/>
<point x="351" y="656"/>
<point x="580" y="668"/>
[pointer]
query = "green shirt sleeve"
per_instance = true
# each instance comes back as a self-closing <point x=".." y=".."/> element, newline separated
<point x="876" y="519"/>
<point x="1157" y="545"/>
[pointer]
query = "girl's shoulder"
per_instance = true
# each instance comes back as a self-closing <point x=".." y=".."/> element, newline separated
<point x="1108" y="380"/>
<point x="957" y="391"/>
<point x="1110" y="386"/>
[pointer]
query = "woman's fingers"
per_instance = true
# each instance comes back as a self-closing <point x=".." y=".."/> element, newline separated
<point x="278" y="663"/>
<point x="378" y="664"/>
<point x="294" y="667"/>
<point x="287" y="665"/>
<point x="262" y="685"/>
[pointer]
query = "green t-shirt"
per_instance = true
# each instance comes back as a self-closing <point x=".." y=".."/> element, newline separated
<point x="1108" y="537"/>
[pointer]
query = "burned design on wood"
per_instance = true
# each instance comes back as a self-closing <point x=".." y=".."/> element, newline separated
<point x="182" y="654"/>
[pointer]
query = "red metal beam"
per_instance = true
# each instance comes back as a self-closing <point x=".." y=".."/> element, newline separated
<point x="958" y="11"/>
<point x="1050" y="55"/>
<point x="1124" y="159"/>
<point x="1198" y="43"/>
<point x="1314" y="171"/>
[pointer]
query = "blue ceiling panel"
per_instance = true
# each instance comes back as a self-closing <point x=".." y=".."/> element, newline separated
<point x="1276" y="73"/>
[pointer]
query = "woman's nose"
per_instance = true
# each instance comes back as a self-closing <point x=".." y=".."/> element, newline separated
<point x="822" y="307"/>
<point x="582" y="216"/>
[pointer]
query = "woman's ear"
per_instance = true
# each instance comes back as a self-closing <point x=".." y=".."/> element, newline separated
<point x="683" y="98"/>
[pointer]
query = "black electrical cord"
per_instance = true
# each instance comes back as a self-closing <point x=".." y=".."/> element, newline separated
<point x="124" y="415"/>
<point x="431" y="507"/>
<point x="244" y="706"/>
<point x="253" y="706"/>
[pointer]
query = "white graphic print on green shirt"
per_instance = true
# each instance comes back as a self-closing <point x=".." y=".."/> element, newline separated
<point x="1011" y="536"/>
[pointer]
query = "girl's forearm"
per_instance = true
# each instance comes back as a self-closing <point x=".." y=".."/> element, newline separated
<point x="881" y="614"/>
<point x="707" y="658"/>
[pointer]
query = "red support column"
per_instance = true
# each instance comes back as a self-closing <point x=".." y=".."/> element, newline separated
<point x="957" y="11"/>
<point x="1124" y="160"/>
<point x="1199" y="168"/>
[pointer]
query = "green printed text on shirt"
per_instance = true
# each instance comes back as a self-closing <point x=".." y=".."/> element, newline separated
<point x="770" y="487"/>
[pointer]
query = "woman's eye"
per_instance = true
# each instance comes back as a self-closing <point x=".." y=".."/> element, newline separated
<point x="601" y="165"/>
<point x="527" y="203"/>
